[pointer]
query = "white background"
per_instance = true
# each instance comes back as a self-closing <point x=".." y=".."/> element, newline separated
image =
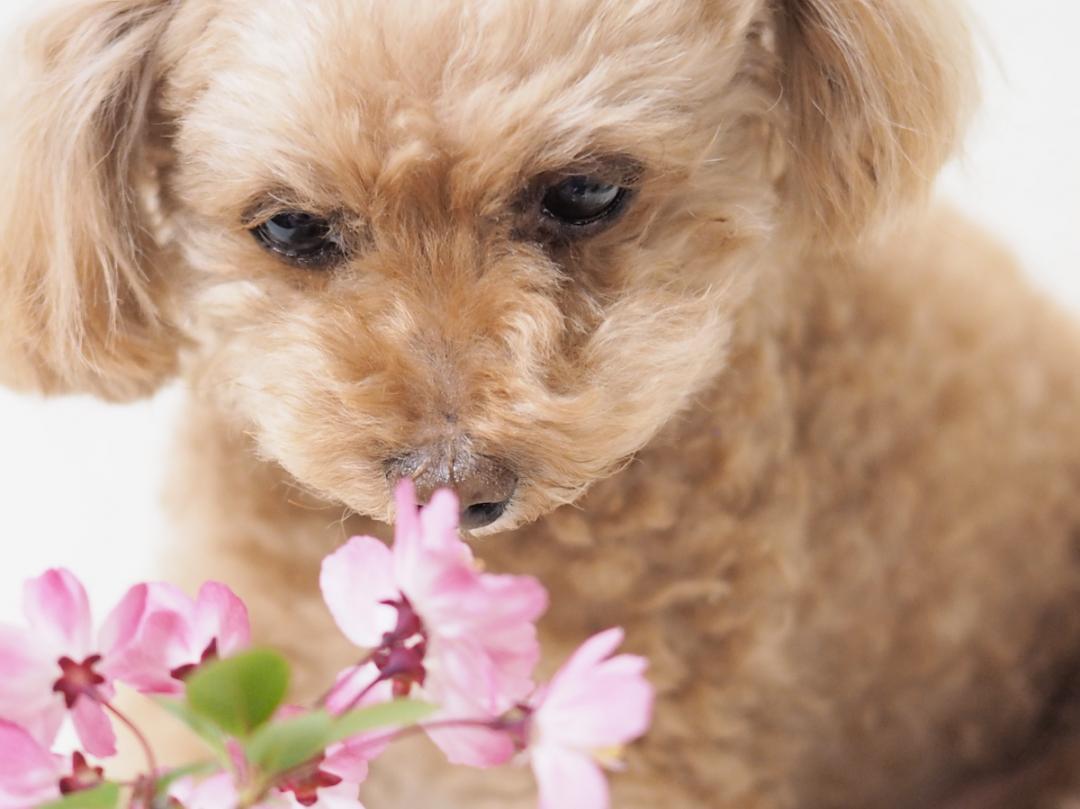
<point x="80" y="481"/>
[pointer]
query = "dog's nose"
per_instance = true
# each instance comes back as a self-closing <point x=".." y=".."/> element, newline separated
<point x="483" y="484"/>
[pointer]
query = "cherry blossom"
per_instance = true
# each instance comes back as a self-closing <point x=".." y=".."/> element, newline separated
<point x="594" y="705"/>
<point x="157" y="636"/>
<point x="436" y="624"/>
<point x="29" y="773"/>
<point x="342" y="762"/>
<point x="220" y="792"/>
<point x="433" y="625"/>
<point x="52" y="667"/>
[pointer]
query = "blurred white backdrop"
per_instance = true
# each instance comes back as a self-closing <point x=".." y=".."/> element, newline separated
<point x="80" y="481"/>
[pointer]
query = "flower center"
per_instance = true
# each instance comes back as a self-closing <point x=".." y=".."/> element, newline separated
<point x="517" y="724"/>
<point x="82" y="777"/>
<point x="78" y="679"/>
<point x="400" y="657"/>
<point x="609" y="757"/>
<point x="306" y="788"/>
<point x="181" y="673"/>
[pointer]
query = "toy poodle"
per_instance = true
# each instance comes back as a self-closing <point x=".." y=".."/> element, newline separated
<point x="654" y="285"/>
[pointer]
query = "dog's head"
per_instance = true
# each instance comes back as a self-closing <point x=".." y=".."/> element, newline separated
<point x="492" y="244"/>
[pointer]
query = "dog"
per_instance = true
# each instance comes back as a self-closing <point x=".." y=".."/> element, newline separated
<point x="654" y="285"/>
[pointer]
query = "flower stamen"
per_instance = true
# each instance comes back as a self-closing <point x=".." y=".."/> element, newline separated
<point x="306" y="788"/>
<point x="210" y="653"/>
<point x="78" y="679"/>
<point x="400" y="658"/>
<point x="83" y="776"/>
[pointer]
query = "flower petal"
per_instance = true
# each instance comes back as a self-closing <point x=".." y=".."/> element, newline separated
<point x="473" y="746"/>
<point x="609" y="708"/>
<point x="599" y="646"/>
<point x="93" y="727"/>
<point x="460" y="674"/>
<point x="122" y="623"/>
<point x="520" y="599"/>
<point x="29" y="773"/>
<point x="27" y="675"/>
<point x="354" y="580"/>
<point x="348" y="761"/>
<point x="406" y="516"/>
<point x="148" y="635"/>
<point x="343" y="796"/>
<point x="408" y="545"/>
<point x="439" y="524"/>
<point x="429" y="550"/>
<point x="595" y="703"/>
<point x="465" y="685"/>
<point x="216" y="792"/>
<point x="506" y="622"/>
<point x="58" y="611"/>
<point x="220" y="615"/>
<point x="568" y="780"/>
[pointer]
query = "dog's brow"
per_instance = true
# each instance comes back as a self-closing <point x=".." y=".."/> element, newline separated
<point x="263" y="205"/>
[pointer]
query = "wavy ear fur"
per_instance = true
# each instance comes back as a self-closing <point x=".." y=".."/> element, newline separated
<point x="82" y="299"/>
<point x="877" y="94"/>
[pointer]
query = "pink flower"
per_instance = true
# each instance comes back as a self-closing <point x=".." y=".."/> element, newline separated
<point x="593" y="706"/>
<point x="157" y="635"/>
<point x="346" y="761"/>
<point x="216" y="792"/>
<point x="29" y="774"/>
<point x="465" y="639"/>
<point x="220" y="792"/>
<point x="53" y="668"/>
<point x="330" y="782"/>
<point x="325" y="787"/>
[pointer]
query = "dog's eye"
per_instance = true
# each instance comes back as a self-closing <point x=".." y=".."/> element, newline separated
<point x="303" y="238"/>
<point x="581" y="200"/>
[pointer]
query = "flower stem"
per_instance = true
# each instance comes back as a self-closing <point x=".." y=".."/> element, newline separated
<point x="336" y="686"/>
<point x="363" y="693"/>
<point x="402" y="733"/>
<point x="140" y="737"/>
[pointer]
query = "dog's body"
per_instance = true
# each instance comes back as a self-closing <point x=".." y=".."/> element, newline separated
<point x="847" y="537"/>
<point x="857" y="587"/>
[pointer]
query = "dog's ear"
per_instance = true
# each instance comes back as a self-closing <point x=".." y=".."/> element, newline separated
<point x="82" y="301"/>
<point x="876" y="95"/>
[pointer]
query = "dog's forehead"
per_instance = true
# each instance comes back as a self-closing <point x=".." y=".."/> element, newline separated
<point x="362" y="89"/>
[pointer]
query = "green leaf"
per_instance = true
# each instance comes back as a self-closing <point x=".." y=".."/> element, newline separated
<point x="399" y="713"/>
<point x="106" y="796"/>
<point x="239" y="694"/>
<point x="280" y="746"/>
<point x="203" y="728"/>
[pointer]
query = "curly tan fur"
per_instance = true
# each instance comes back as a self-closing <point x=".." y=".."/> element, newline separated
<point x="823" y="470"/>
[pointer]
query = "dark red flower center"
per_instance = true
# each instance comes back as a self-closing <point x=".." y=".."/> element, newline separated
<point x="82" y="777"/>
<point x="78" y="679"/>
<point x="306" y="788"/>
<point x="400" y="657"/>
<point x="181" y="673"/>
